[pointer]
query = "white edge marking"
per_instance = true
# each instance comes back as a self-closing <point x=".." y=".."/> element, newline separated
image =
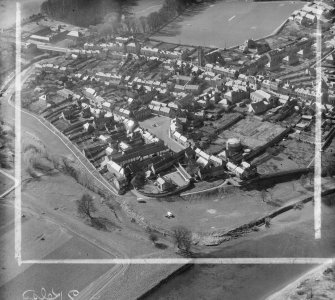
<point x="17" y="167"/>
<point x="287" y="260"/>
<point x="318" y="141"/>
<point x="246" y="260"/>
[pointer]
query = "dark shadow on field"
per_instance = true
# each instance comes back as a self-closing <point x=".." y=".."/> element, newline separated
<point x="103" y="224"/>
<point x="275" y="203"/>
<point x="174" y="198"/>
<point x="329" y="200"/>
<point x="34" y="177"/>
<point x="161" y="246"/>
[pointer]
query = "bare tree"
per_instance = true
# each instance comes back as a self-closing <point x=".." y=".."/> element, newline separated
<point x="303" y="180"/>
<point x="85" y="206"/>
<point x="310" y="176"/>
<point x="263" y="195"/>
<point x="267" y="222"/>
<point x="143" y="23"/>
<point x="138" y="180"/>
<point x="330" y="171"/>
<point x="182" y="237"/>
<point x="153" y="237"/>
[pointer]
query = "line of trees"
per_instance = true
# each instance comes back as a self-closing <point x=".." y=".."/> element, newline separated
<point x="85" y="12"/>
<point x="6" y="146"/>
<point x="107" y="18"/>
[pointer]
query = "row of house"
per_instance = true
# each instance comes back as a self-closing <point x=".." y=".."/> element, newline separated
<point x="148" y="85"/>
<point x="227" y="72"/>
<point x="162" y="110"/>
<point x="110" y="78"/>
<point x="303" y="18"/>
<point x="52" y="67"/>
<point x="203" y="159"/>
<point x="242" y="171"/>
<point x="128" y="46"/>
<point x="139" y="153"/>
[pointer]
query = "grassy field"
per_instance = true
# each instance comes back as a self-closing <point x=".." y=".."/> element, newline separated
<point x="227" y="23"/>
<point x="222" y="212"/>
<point x="300" y="152"/>
<point x="290" y="235"/>
<point x="5" y="183"/>
<point x="275" y="163"/>
<point x="59" y="277"/>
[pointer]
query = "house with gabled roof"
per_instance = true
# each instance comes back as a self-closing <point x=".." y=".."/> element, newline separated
<point x="259" y="107"/>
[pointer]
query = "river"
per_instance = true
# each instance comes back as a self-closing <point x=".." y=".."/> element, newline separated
<point x="227" y="23"/>
<point x="290" y="235"/>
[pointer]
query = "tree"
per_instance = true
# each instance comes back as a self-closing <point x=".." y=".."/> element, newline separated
<point x="138" y="180"/>
<point x="4" y="161"/>
<point x="330" y="171"/>
<point x="153" y="237"/>
<point x="263" y="195"/>
<point x="154" y="21"/>
<point x="310" y="176"/>
<point x="267" y="222"/>
<point x="85" y="206"/>
<point x="303" y="179"/>
<point x="192" y="167"/>
<point x="182" y="238"/>
<point x="144" y="24"/>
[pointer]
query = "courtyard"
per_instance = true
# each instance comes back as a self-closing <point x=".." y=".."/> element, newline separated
<point x="159" y="126"/>
<point x="252" y="132"/>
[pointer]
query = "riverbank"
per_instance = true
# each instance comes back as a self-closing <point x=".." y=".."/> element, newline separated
<point x="318" y="283"/>
<point x="289" y="235"/>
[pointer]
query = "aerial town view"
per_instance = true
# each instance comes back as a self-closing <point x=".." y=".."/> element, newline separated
<point x="167" y="149"/>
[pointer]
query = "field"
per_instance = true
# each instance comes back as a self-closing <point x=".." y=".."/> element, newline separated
<point x="42" y="239"/>
<point x="300" y="152"/>
<point x="253" y="132"/>
<point x="212" y="213"/>
<point x="5" y="183"/>
<point x="290" y="235"/>
<point x="276" y="163"/>
<point x="227" y="23"/>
